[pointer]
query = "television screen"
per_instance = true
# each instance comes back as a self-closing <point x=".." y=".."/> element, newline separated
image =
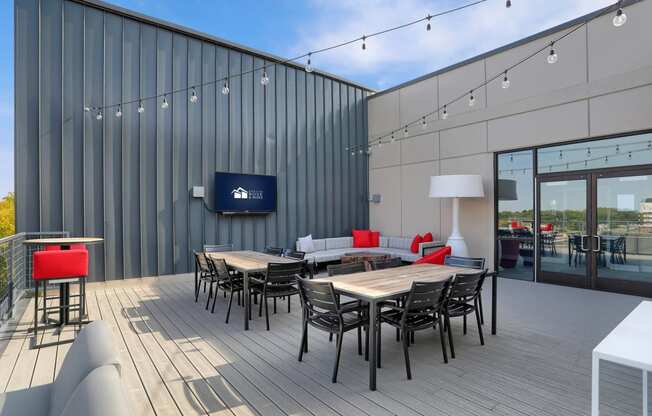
<point x="235" y="192"/>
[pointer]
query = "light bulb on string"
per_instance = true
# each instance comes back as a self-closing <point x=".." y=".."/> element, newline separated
<point x="406" y="133"/>
<point x="617" y="148"/>
<point x="588" y="152"/>
<point x="141" y="109"/>
<point x="364" y="44"/>
<point x="99" y="115"/>
<point x="428" y="20"/>
<point x="308" y="67"/>
<point x="118" y="112"/>
<point x="225" y="89"/>
<point x="87" y="109"/>
<point x="393" y="139"/>
<point x="508" y="3"/>
<point x="505" y="83"/>
<point x="567" y="165"/>
<point x="361" y="151"/>
<point x="444" y="114"/>
<point x="586" y="163"/>
<point x="164" y="104"/>
<point x="424" y="124"/>
<point x="561" y="155"/>
<point x="471" y="99"/>
<point x="352" y="153"/>
<point x="606" y="159"/>
<point x="264" y="79"/>
<point x="629" y="155"/>
<point x="649" y="144"/>
<point x="511" y="158"/>
<point x="620" y="18"/>
<point x="193" y="96"/>
<point x="552" y="56"/>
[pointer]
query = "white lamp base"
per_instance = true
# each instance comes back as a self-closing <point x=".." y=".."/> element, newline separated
<point x="458" y="246"/>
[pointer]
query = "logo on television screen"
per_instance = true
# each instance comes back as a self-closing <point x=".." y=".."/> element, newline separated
<point x="241" y="193"/>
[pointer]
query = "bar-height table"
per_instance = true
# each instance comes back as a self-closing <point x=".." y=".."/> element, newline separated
<point x="247" y="262"/>
<point x="380" y="285"/>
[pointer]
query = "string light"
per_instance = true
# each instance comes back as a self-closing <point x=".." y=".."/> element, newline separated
<point x="508" y="3"/>
<point x="428" y="25"/>
<point x="620" y="18"/>
<point x="444" y="114"/>
<point x="471" y="99"/>
<point x="561" y="155"/>
<point x="511" y="158"/>
<point x="506" y="82"/>
<point x="424" y="124"/>
<point x="264" y="79"/>
<point x="606" y="159"/>
<point x="141" y="109"/>
<point x="393" y="139"/>
<point x="99" y="115"/>
<point x="308" y="65"/>
<point x="617" y="148"/>
<point x="364" y="44"/>
<point x="164" y="104"/>
<point x="405" y="131"/>
<point x="552" y="56"/>
<point x="118" y="113"/>
<point x="87" y="109"/>
<point x="225" y="89"/>
<point x="588" y="152"/>
<point x="629" y="155"/>
<point x="193" y="96"/>
<point x="586" y="163"/>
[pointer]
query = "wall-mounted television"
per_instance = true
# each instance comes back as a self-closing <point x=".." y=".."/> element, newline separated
<point x="247" y="194"/>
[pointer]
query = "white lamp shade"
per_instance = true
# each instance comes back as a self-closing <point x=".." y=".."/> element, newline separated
<point x="456" y="186"/>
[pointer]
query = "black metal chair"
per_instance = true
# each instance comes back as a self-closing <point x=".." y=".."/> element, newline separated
<point x="463" y="301"/>
<point x="471" y="263"/>
<point x="274" y="251"/>
<point x="345" y="268"/>
<point x="217" y="248"/>
<point x="279" y="281"/>
<point x="322" y="310"/>
<point x="226" y="281"/>
<point x="386" y="263"/>
<point x="618" y="251"/>
<point x="423" y="308"/>
<point x="577" y="251"/>
<point x="203" y="273"/>
<point x="294" y="254"/>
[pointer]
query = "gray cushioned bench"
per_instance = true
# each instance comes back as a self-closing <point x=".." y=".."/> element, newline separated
<point x="332" y="249"/>
<point x="88" y="384"/>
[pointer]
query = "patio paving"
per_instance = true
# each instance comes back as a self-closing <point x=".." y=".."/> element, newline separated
<point x="179" y="359"/>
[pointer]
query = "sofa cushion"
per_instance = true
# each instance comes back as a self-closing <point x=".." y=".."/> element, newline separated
<point x="100" y="393"/>
<point x="305" y="244"/>
<point x="339" y="242"/>
<point x="384" y="241"/>
<point x="319" y="244"/>
<point x="32" y="401"/>
<point x="374" y="238"/>
<point x="399" y="242"/>
<point x="93" y="348"/>
<point x="414" y="247"/>
<point x="428" y="238"/>
<point x="361" y="238"/>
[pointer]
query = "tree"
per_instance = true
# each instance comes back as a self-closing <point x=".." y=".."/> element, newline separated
<point x="7" y="215"/>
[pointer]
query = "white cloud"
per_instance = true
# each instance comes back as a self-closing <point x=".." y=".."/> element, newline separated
<point x="414" y="51"/>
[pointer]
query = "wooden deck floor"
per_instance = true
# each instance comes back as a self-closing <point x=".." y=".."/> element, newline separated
<point x="179" y="359"/>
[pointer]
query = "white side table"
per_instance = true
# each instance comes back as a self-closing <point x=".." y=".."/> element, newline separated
<point x="630" y="344"/>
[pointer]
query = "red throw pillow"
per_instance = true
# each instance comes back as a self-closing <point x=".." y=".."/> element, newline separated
<point x="361" y="238"/>
<point x="436" y="257"/>
<point x="415" y="243"/>
<point x="427" y="238"/>
<point x="374" y="238"/>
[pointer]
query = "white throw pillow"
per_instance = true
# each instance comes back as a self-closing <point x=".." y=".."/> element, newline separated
<point x="306" y="245"/>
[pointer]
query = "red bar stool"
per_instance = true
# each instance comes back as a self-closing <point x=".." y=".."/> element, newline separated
<point x="60" y="267"/>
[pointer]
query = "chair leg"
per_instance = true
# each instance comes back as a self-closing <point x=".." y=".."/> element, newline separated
<point x="266" y="311"/>
<point x="330" y="337"/>
<point x="398" y="335"/>
<point x="204" y="286"/>
<point x="481" y="308"/>
<point x="378" y="339"/>
<point x="412" y="337"/>
<point x="239" y="301"/>
<point x="228" y="311"/>
<point x="213" y="307"/>
<point x="36" y="285"/>
<point x="304" y="336"/>
<point x="366" y="344"/>
<point x="441" y="336"/>
<point x="477" y="318"/>
<point x="289" y="297"/>
<point x="450" y="335"/>
<point x="260" y="307"/>
<point x="274" y="305"/>
<point x="210" y="294"/>
<point x="464" y="325"/>
<point x="407" y="355"/>
<point x="340" y="335"/>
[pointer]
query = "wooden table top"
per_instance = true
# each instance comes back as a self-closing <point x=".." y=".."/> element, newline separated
<point x="387" y="283"/>
<point x="249" y="261"/>
<point x="64" y="241"/>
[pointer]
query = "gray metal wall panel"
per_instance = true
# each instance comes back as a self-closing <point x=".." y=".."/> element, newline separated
<point x="113" y="149"/>
<point x="164" y="227"/>
<point x="73" y="119"/>
<point x="148" y="153"/>
<point x="131" y="150"/>
<point x="128" y="179"/>
<point x="50" y="59"/>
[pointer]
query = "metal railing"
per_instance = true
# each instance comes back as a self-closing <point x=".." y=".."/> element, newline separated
<point x="16" y="268"/>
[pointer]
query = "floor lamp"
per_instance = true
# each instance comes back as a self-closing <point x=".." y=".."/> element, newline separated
<point x="456" y="187"/>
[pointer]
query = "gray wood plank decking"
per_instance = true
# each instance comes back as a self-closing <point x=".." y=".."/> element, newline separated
<point x="179" y="359"/>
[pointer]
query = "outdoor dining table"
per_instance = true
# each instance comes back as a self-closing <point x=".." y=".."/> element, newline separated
<point x="381" y="285"/>
<point x="248" y="262"/>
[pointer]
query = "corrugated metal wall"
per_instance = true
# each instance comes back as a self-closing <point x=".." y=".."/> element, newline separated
<point x="128" y="179"/>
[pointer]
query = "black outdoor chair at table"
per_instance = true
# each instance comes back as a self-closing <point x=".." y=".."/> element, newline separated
<point x="471" y="263"/>
<point x="216" y="248"/>
<point x="294" y="254"/>
<point x="278" y="281"/>
<point x="463" y="301"/>
<point x="423" y="308"/>
<point x="227" y="281"/>
<point x="322" y="310"/>
<point x="274" y="251"/>
<point x="389" y="263"/>
<point x="345" y="268"/>
<point x="203" y="273"/>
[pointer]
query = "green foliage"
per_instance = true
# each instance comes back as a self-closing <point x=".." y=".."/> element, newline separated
<point x="7" y="215"/>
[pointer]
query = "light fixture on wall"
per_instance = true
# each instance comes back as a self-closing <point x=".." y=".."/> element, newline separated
<point x="620" y="18"/>
<point x="456" y="187"/>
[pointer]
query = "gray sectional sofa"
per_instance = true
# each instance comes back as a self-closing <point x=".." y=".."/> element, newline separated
<point x="332" y="249"/>
<point x="88" y="384"/>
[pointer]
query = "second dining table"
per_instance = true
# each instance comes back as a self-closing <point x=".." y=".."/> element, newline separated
<point x="247" y="262"/>
<point x="380" y="285"/>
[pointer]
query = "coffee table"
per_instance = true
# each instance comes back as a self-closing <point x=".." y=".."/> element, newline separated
<point x="364" y="256"/>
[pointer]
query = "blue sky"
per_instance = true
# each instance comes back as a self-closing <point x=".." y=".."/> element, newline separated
<point x="289" y="28"/>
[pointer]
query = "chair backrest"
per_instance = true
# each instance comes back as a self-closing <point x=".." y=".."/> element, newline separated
<point x="470" y="262"/>
<point x="426" y="297"/>
<point x="274" y="251"/>
<point x="294" y="254"/>
<point x="386" y="263"/>
<point x="317" y="297"/>
<point x="201" y="262"/>
<point x="218" y="268"/>
<point x="619" y="245"/>
<point x="345" y="268"/>
<point x="208" y="248"/>
<point x="284" y="273"/>
<point x="467" y="285"/>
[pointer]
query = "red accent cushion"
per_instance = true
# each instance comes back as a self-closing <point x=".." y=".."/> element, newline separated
<point x="415" y="243"/>
<point x="374" y="238"/>
<point x="361" y="238"/>
<point x="436" y="257"/>
<point x="55" y="264"/>
<point x="427" y="238"/>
